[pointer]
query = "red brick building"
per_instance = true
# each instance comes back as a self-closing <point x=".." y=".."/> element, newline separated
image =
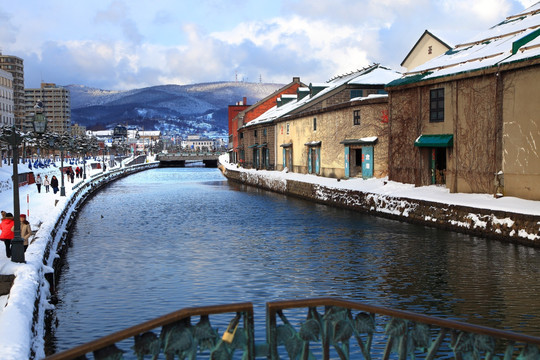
<point x="254" y="111"/>
<point x="234" y="110"/>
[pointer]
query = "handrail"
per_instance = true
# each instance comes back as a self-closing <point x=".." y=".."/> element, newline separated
<point x="273" y="307"/>
<point x="406" y="333"/>
<point x="152" y="324"/>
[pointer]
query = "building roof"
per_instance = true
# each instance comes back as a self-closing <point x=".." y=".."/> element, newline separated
<point x="372" y="75"/>
<point x="512" y="40"/>
<point x="426" y="33"/>
<point x="296" y="80"/>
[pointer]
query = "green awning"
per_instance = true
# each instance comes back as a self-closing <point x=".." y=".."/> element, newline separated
<point x="444" y="140"/>
<point x="253" y="146"/>
<point x="363" y="141"/>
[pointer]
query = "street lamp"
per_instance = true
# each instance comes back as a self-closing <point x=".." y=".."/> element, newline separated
<point x="14" y="138"/>
<point x="64" y="143"/>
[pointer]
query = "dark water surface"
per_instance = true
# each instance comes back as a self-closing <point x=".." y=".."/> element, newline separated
<point x="170" y="238"/>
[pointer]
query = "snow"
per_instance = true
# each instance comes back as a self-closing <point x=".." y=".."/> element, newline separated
<point x="44" y="209"/>
<point x="17" y="309"/>
<point x="383" y="186"/>
<point x="373" y="75"/>
<point x="489" y="48"/>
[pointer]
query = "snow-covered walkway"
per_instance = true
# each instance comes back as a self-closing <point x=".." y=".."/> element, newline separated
<point x="19" y="339"/>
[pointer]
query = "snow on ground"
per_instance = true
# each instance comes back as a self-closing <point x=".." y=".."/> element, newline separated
<point x="44" y="209"/>
<point x="17" y="308"/>
<point x="382" y="186"/>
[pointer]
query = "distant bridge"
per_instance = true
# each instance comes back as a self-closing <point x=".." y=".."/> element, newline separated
<point x="210" y="159"/>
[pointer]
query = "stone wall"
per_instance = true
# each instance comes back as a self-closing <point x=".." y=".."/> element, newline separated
<point x="505" y="226"/>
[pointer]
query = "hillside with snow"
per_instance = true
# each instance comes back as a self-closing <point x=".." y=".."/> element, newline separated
<point x="172" y="109"/>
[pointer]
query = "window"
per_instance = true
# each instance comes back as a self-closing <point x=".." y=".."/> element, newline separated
<point x="356" y="93"/>
<point x="264" y="132"/>
<point x="436" y="105"/>
<point x="356" y="117"/>
<point x="255" y="133"/>
<point x="314" y="124"/>
<point x="241" y="135"/>
<point x="287" y="128"/>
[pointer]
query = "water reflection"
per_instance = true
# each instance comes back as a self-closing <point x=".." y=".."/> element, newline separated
<point x="169" y="238"/>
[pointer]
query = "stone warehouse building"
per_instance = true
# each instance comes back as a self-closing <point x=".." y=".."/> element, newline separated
<point x="330" y="129"/>
<point x="469" y="119"/>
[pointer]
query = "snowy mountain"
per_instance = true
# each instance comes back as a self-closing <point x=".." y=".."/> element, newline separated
<point x="173" y="109"/>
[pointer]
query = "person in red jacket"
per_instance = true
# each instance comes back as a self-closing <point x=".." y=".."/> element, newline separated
<point x="7" y="233"/>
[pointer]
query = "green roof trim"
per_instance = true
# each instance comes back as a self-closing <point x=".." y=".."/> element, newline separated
<point x="524" y="40"/>
<point x="432" y="141"/>
<point x="507" y="21"/>
<point x="408" y="79"/>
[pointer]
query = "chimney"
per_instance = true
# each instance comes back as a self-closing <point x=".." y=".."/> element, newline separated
<point x="244" y="101"/>
<point x="296" y="79"/>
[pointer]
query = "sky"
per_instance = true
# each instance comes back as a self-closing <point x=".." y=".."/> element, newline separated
<point x="122" y="45"/>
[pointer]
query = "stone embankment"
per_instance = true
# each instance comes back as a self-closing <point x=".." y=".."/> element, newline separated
<point x="501" y="225"/>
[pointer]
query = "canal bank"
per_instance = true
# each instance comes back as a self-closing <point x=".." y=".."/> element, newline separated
<point x="506" y="219"/>
<point x="22" y="318"/>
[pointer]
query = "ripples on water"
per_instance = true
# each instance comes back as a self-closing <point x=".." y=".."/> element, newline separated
<point x="165" y="239"/>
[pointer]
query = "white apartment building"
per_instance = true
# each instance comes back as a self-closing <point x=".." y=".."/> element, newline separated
<point x="7" y="117"/>
<point x="15" y="66"/>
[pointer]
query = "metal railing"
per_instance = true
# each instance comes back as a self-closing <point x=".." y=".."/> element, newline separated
<point x="178" y="337"/>
<point x="332" y="328"/>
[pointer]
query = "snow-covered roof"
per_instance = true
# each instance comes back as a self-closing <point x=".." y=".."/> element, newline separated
<point x="370" y="96"/>
<point x="372" y="75"/>
<point x="514" y="39"/>
<point x="99" y="133"/>
<point x="378" y="76"/>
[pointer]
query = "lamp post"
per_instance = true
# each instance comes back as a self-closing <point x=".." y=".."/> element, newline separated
<point x="14" y="138"/>
<point x="63" y="142"/>
<point x="103" y="155"/>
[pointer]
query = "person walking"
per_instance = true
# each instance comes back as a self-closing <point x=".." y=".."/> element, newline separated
<point x="38" y="183"/>
<point x="6" y="234"/>
<point x="46" y="183"/>
<point x="72" y="175"/>
<point x="54" y="184"/>
<point x="26" y="231"/>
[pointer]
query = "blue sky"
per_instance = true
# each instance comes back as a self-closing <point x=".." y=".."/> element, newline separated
<point x="121" y="44"/>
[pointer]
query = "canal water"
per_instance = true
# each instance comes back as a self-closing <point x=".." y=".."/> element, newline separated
<point x="170" y="238"/>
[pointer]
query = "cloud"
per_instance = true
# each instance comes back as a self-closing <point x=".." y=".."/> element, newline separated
<point x="116" y="15"/>
<point x="487" y="12"/>
<point x="8" y="35"/>
<point x="314" y="39"/>
<point x="527" y="3"/>
<point x="301" y="42"/>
